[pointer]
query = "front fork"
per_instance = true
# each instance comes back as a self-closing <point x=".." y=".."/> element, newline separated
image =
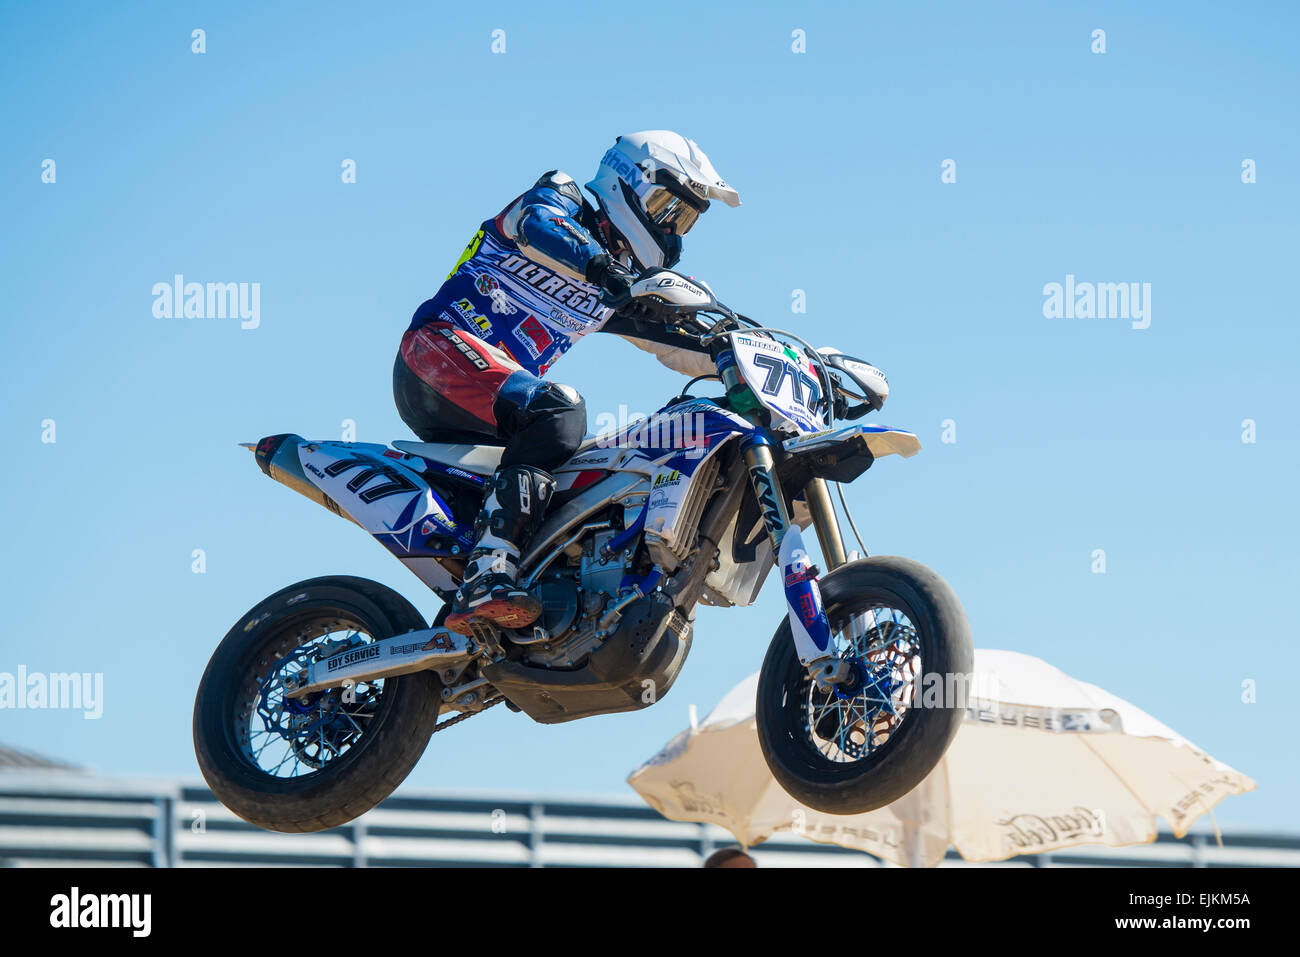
<point x="808" y="621"/>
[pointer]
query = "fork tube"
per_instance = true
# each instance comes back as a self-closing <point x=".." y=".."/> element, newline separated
<point x="762" y="474"/>
<point x="825" y="522"/>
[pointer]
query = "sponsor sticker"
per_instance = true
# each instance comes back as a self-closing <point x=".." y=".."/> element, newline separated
<point x="468" y="312"/>
<point x="407" y="649"/>
<point x="666" y="479"/>
<point x="465" y="349"/>
<point x="352" y="657"/>
<point x="439" y="642"/>
<point x="534" y="336"/>
<point x="566" y="321"/>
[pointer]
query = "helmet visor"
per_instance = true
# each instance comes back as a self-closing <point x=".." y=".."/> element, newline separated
<point x="671" y="212"/>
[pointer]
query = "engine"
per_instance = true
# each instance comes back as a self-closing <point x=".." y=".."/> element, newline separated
<point x="575" y="595"/>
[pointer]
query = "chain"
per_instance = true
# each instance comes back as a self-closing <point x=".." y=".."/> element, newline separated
<point x="468" y="714"/>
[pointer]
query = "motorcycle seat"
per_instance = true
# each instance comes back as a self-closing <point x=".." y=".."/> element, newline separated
<point x="478" y="459"/>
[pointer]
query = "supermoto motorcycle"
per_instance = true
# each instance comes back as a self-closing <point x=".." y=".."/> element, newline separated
<point x="321" y="699"/>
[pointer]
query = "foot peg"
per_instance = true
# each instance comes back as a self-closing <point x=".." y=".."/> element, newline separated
<point x="486" y="636"/>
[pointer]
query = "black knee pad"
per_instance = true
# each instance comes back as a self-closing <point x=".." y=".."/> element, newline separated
<point x="548" y="430"/>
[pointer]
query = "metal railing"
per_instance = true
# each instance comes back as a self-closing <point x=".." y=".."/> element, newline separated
<point x="69" y="819"/>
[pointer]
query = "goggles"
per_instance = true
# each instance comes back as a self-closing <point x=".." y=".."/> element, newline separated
<point x="672" y="212"/>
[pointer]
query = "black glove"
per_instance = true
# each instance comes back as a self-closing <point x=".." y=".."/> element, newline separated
<point x="615" y="281"/>
<point x="643" y="313"/>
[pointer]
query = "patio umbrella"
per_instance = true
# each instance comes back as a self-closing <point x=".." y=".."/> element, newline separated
<point x="1041" y="762"/>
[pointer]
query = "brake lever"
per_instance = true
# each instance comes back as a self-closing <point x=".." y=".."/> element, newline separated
<point x="716" y="331"/>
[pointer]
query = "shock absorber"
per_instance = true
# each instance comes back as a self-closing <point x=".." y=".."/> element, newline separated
<point x="761" y="465"/>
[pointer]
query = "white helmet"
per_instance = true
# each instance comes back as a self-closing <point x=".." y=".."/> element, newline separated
<point x="653" y="186"/>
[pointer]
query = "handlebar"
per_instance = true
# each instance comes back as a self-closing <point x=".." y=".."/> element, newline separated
<point x="683" y="302"/>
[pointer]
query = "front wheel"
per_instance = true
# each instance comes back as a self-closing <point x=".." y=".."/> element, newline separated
<point x="294" y="765"/>
<point x="904" y="637"/>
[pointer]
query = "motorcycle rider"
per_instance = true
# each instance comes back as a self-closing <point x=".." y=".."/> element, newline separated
<point x="547" y="270"/>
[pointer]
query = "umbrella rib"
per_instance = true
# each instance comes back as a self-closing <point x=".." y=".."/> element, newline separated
<point x="1151" y="815"/>
<point x="1208" y="808"/>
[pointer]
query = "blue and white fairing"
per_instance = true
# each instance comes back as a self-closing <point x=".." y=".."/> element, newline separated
<point x="380" y="489"/>
<point x="383" y="491"/>
<point x="671" y="448"/>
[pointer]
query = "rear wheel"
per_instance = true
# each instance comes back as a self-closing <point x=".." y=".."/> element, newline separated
<point x="899" y="629"/>
<point x="306" y="765"/>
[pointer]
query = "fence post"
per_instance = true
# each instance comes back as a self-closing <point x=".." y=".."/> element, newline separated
<point x="706" y="842"/>
<point x="536" y="836"/>
<point x="164" y="832"/>
<point x="359" y="842"/>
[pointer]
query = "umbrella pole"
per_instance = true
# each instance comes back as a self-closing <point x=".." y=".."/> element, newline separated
<point x="1218" y="838"/>
<point x="912" y="843"/>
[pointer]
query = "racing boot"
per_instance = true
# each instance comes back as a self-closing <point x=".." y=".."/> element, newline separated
<point x="517" y="498"/>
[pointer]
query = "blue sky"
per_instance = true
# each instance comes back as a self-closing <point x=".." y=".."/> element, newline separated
<point x="1072" y="434"/>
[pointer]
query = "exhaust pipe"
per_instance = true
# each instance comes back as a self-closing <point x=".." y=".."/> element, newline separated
<point x="277" y="456"/>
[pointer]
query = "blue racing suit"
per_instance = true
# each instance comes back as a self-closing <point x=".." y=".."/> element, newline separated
<point x="522" y="293"/>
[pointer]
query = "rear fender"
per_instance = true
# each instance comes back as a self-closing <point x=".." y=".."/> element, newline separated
<point x="378" y="488"/>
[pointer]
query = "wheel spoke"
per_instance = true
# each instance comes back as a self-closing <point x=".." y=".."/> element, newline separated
<point x="308" y="732"/>
<point x="880" y="644"/>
